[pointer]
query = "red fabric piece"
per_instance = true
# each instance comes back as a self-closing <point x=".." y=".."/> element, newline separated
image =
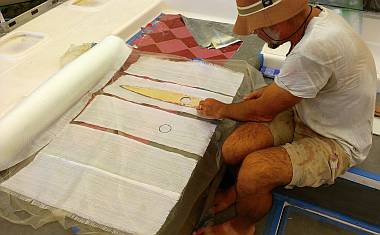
<point x="169" y="35"/>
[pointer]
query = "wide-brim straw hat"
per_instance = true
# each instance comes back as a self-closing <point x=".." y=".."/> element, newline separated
<point x="255" y="14"/>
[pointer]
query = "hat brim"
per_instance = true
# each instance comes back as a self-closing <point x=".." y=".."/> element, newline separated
<point x="269" y="16"/>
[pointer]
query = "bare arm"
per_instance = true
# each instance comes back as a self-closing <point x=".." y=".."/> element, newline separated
<point x="261" y="107"/>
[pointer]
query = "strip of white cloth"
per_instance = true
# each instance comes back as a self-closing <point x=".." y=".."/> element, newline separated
<point x="182" y="133"/>
<point x="376" y="126"/>
<point x="56" y="96"/>
<point x="94" y="194"/>
<point x="123" y="156"/>
<point x="115" y="89"/>
<point x="190" y="73"/>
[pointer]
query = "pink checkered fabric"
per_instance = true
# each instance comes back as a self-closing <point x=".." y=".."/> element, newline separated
<point x="168" y="34"/>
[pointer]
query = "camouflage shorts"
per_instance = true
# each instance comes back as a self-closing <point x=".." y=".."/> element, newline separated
<point x="316" y="160"/>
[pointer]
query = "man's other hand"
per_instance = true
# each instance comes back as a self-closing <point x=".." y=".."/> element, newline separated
<point x="211" y="108"/>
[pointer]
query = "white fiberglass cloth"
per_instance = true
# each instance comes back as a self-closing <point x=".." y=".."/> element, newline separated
<point x="106" y="178"/>
<point x="152" y="124"/>
<point x="94" y="194"/>
<point x="189" y="73"/>
<point x="123" y="156"/>
<point x="115" y="89"/>
<point x="125" y="161"/>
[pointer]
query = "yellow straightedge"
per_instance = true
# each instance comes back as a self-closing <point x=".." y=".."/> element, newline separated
<point x="164" y="95"/>
<point x="115" y="89"/>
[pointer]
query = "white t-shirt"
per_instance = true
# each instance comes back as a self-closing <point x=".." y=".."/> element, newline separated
<point x="334" y="71"/>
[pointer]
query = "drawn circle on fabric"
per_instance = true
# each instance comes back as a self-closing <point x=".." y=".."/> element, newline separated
<point x="165" y="128"/>
<point x="185" y="100"/>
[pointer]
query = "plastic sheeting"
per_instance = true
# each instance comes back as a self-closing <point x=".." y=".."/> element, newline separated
<point x="109" y="177"/>
<point x="210" y="34"/>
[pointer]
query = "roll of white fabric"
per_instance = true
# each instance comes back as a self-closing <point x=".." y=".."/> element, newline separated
<point x="52" y="99"/>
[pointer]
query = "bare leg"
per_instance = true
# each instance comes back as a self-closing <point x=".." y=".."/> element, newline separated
<point x="232" y="227"/>
<point x="246" y="139"/>
<point x="223" y="199"/>
<point x="259" y="174"/>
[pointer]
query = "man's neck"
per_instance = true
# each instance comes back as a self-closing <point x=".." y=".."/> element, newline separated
<point x="299" y="35"/>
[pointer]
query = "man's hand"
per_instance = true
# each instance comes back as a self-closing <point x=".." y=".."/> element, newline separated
<point x="211" y="108"/>
<point x="261" y="105"/>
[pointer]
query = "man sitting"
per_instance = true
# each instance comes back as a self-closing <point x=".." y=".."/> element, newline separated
<point x="311" y="124"/>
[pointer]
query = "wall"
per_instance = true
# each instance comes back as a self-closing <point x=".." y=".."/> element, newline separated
<point x="222" y="10"/>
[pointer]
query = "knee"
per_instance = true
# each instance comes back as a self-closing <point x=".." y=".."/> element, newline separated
<point x="229" y="153"/>
<point x="249" y="184"/>
<point x="246" y="139"/>
<point x="255" y="177"/>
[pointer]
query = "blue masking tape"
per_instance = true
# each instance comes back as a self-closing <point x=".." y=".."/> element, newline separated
<point x="321" y="219"/>
<point x="260" y="58"/>
<point x="274" y="217"/>
<point x="142" y="31"/>
<point x="364" y="173"/>
<point x="75" y="229"/>
<point x="327" y="212"/>
<point x="269" y="72"/>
